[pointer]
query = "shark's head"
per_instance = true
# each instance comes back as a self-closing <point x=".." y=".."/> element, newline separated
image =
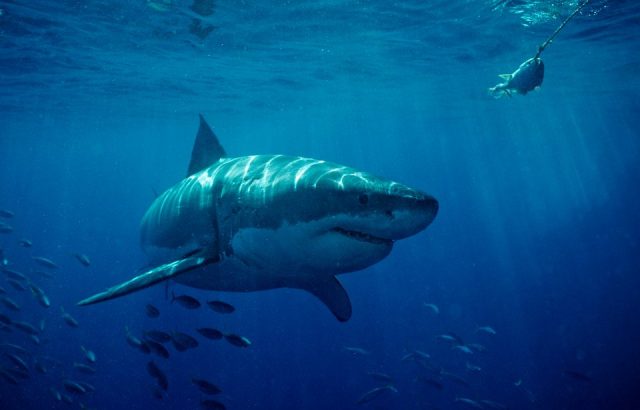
<point x="318" y="216"/>
<point x="363" y="219"/>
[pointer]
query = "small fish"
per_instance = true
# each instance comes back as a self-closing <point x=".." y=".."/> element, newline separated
<point x="18" y="362"/>
<point x="157" y="336"/>
<point x="3" y="259"/>
<point x="157" y="349"/>
<point x="239" y="341"/>
<point x="18" y="373"/>
<point x="152" y="311"/>
<point x="530" y="396"/>
<point x="182" y="341"/>
<point x="159" y="5"/>
<point x="472" y="367"/>
<point x="10" y="303"/>
<point x="381" y="377"/>
<point x="357" y="350"/>
<point x="422" y="355"/>
<point x="40" y="296"/>
<point x="5" y="320"/>
<point x="14" y="274"/>
<point x="493" y="405"/>
<point x="16" y="285"/>
<point x="81" y="367"/>
<point x="7" y="214"/>
<point x="73" y="387"/>
<point x="89" y="355"/>
<point x="212" y="405"/>
<point x="15" y="348"/>
<point x="7" y="376"/>
<point x="407" y="357"/>
<point x="87" y="386"/>
<point x="40" y="367"/>
<point x="526" y="78"/>
<point x="469" y="402"/>
<point x="186" y="301"/>
<point x="68" y="319"/>
<point x="206" y="387"/>
<point x="83" y="259"/>
<point x="203" y="7"/>
<point x="450" y="338"/>
<point x="157" y="393"/>
<point x="27" y="328"/>
<point x="210" y="333"/>
<point x="25" y="243"/>
<point x="158" y="374"/>
<point x="477" y="347"/>
<point x="486" y="329"/>
<point x="577" y="376"/>
<point x="434" y="308"/>
<point x="447" y="338"/>
<point x="66" y="398"/>
<point x="55" y="393"/>
<point x="4" y="228"/>
<point x="375" y="393"/>
<point x="463" y="349"/>
<point x="47" y="263"/>
<point x="221" y="307"/>
<point x="136" y="343"/>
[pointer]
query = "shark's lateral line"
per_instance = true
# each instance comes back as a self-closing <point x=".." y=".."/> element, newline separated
<point x="273" y="221"/>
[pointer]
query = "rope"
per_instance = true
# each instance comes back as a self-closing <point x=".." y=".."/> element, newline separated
<point x="555" y="33"/>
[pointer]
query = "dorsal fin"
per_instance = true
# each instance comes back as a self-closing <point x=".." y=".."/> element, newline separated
<point x="206" y="149"/>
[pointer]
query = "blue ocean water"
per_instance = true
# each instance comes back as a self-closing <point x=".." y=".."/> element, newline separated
<point x="538" y="233"/>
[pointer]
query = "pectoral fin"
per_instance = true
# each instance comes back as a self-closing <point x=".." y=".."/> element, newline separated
<point x="505" y="76"/>
<point x="153" y="276"/>
<point x="332" y="294"/>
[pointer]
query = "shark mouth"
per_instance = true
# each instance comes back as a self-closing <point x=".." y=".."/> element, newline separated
<point x="361" y="236"/>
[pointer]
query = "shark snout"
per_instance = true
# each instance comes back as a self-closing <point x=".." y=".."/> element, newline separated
<point x="413" y="216"/>
<point x="396" y="217"/>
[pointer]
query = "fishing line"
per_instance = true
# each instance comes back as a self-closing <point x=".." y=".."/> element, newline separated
<point x="564" y="23"/>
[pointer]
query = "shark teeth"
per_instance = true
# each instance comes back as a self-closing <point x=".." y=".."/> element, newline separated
<point x="361" y="236"/>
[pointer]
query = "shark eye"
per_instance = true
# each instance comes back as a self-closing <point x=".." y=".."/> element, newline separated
<point x="363" y="199"/>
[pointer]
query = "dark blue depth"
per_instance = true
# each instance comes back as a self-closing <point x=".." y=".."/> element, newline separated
<point x="537" y="236"/>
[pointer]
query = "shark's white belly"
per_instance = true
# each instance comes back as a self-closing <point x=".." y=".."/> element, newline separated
<point x="284" y="257"/>
<point x="260" y="259"/>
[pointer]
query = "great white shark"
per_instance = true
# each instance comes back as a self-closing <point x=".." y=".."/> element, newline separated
<point x="272" y="221"/>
